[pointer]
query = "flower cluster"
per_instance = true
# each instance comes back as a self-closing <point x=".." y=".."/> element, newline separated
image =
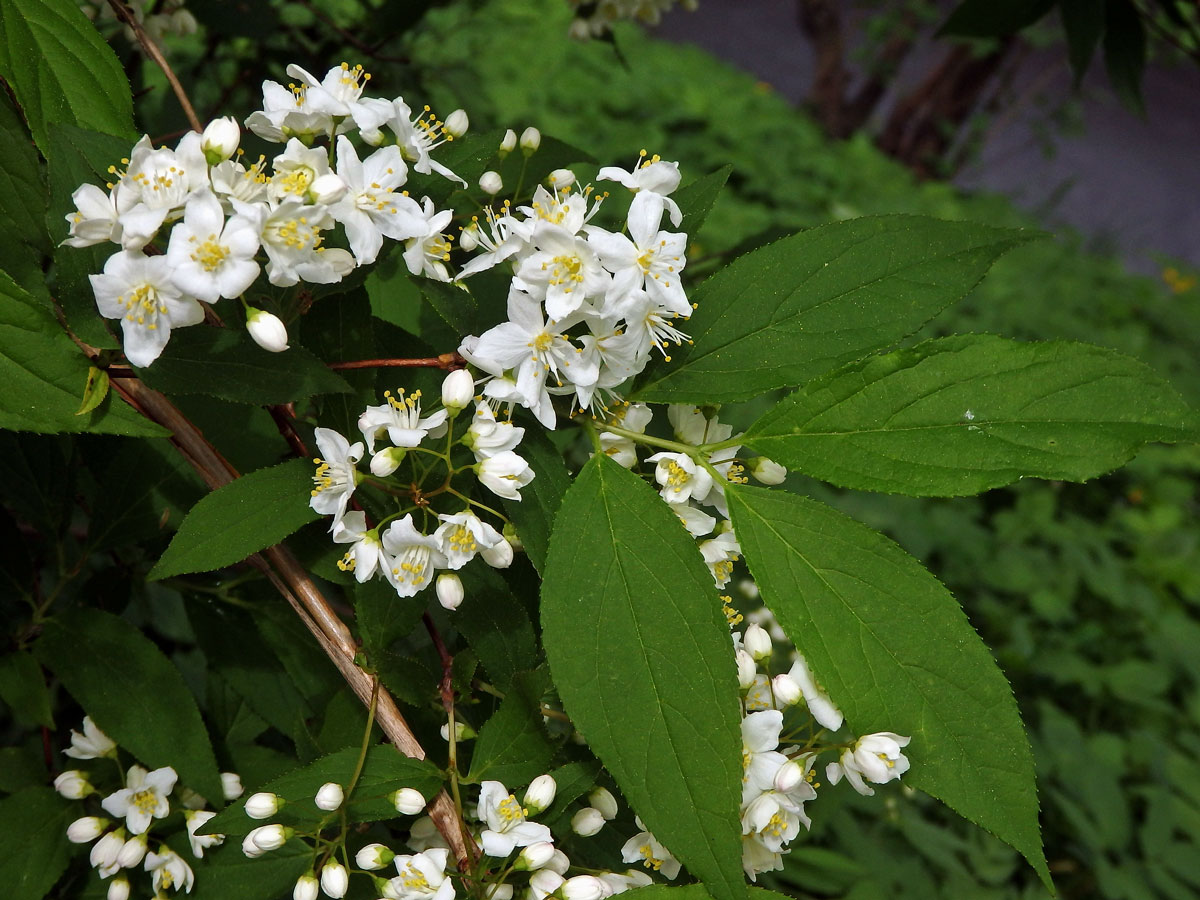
<point x="196" y="224"/>
<point x="586" y="306"/>
<point x="137" y="808"/>
<point x="402" y="552"/>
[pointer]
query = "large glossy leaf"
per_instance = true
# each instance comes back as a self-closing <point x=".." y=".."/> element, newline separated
<point x="246" y="515"/>
<point x="697" y="198"/>
<point x="133" y="692"/>
<point x="61" y="70"/>
<point x="640" y="653"/>
<point x="44" y="375"/>
<point x="962" y="414"/>
<point x="35" y="854"/>
<point x="896" y="653"/>
<point x="22" y="201"/>
<point x="229" y="874"/>
<point x="796" y="308"/>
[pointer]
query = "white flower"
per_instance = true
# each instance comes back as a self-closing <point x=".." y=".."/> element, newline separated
<point x="457" y="123"/>
<point x="95" y="218"/>
<point x="231" y="785"/>
<point x="695" y="520"/>
<point x="531" y="139"/>
<point x="721" y="552"/>
<point x="232" y="180"/>
<point x="374" y="206"/>
<point x="209" y="257"/>
<point x="680" y="476"/>
<point x="458" y="391"/>
<point x="487" y="437"/>
<point x="757" y="642"/>
<point x="534" y="856"/>
<point x="584" y="887"/>
<point x="334" y="879"/>
<point x="422" y="877"/>
<point x="874" y="757"/>
<point x="414" y="556"/>
<point x="508" y="143"/>
<point x="756" y="858"/>
<point x="504" y="817"/>
<point x="144" y="797"/>
<point x="500" y="555"/>
<point x="335" y="478"/>
<point x="133" y="851"/>
<point x="415" y="135"/>
<point x="366" y="555"/>
<point x="267" y="330"/>
<point x="649" y="324"/>
<point x="86" y="829"/>
<point x="73" y="784"/>
<point x="760" y="758"/>
<point x="338" y="93"/>
<point x="646" y="259"/>
<point x="653" y="174"/>
<point x="287" y="113"/>
<point x="767" y="471"/>
<point x="463" y="535"/>
<point x="563" y="272"/>
<point x="138" y="290"/>
<point x="786" y="690"/>
<point x="622" y="450"/>
<point x="491" y="183"/>
<point x="330" y="796"/>
<point x="118" y="889"/>
<point x="543" y="883"/>
<point x="427" y="251"/>
<point x="195" y="818"/>
<point x="449" y="590"/>
<point x="291" y="237"/>
<point x="819" y="704"/>
<point x="619" y="882"/>
<point x="604" y="802"/>
<point x="423" y="835"/>
<point x="645" y="849"/>
<point x="504" y="474"/>
<point x="269" y="837"/>
<point x="262" y="805"/>
<point x="587" y="822"/>
<point x="402" y="420"/>
<point x="296" y="169"/>
<point x="408" y="801"/>
<point x="156" y="185"/>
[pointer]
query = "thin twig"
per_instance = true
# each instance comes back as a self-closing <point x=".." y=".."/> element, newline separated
<point x="447" y="361"/>
<point x="125" y="14"/>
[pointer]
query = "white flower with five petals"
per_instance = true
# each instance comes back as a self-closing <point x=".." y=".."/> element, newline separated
<point x="507" y="827"/>
<point x="144" y="797"/>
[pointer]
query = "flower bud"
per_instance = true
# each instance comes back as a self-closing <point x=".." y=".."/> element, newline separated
<point x="118" y="889"/>
<point x="330" y="796"/>
<point x="789" y="777"/>
<point x="106" y="850"/>
<point x="534" y="856"/>
<point x="220" y="140"/>
<point x="449" y="590"/>
<point x="334" y="879"/>
<point x="306" y="887"/>
<point x="544" y="882"/>
<point x="457" y="123"/>
<point x="250" y="848"/>
<point x="133" y="851"/>
<point x="86" y="830"/>
<point x="267" y="329"/>
<point x="786" y="690"/>
<point x="263" y="805"/>
<point x="73" y="784"/>
<point x="408" y="801"/>
<point x="468" y="238"/>
<point x="462" y="732"/>
<point x="508" y="144"/>
<point x="387" y="461"/>
<point x="327" y="189"/>
<point x="757" y="642"/>
<point x="584" y="887"/>
<point x="587" y="822"/>
<point x="540" y="794"/>
<point x="746" y="668"/>
<point x="561" y="178"/>
<point x="531" y="139"/>
<point x="270" y="837"/>
<point x="231" y="785"/>
<point x="458" y="391"/>
<point x="373" y="856"/>
<point x="768" y="472"/>
<point x="500" y="892"/>
<point x="604" y="802"/>
<point x="491" y="183"/>
<point x="499" y="555"/>
<point x="559" y="863"/>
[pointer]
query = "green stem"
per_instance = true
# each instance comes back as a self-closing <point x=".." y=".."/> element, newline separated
<point x="651" y="441"/>
<point x="366" y="741"/>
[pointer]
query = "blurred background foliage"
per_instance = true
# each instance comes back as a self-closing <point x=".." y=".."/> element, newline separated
<point x="1086" y="593"/>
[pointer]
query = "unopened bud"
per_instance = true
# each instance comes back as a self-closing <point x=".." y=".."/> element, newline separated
<point x="508" y="144"/>
<point x="746" y="668"/>
<point x="267" y="329"/>
<point x="462" y="732"/>
<point x="86" y="830"/>
<point x="133" y="851"/>
<point x="789" y="776"/>
<point x="587" y="822"/>
<point x="220" y="140"/>
<point x="491" y="183"/>
<point x="786" y="690"/>
<point x="327" y="189"/>
<point x="468" y="238"/>
<point x="534" y="856"/>
<point x="330" y="796"/>
<point x="408" y="801"/>
<point x="449" y="590"/>
<point x="458" y="391"/>
<point x="500" y="892"/>
<point x="603" y="801"/>
<point x="457" y="123"/>
<point x="231" y="785"/>
<point x="118" y="889"/>
<point x="270" y="837"/>
<point x="306" y="887"/>
<point x="334" y="879"/>
<point x="540" y="793"/>
<point x="499" y="555"/>
<point x="385" y="462"/>
<point x="757" y="642"/>
<point x="584" y="887"/>
<point x="561" y="178"/>
<point x="559" y="863"/>
<point x="544" y="882"/>
<point x="768" y="472"/>
<point x="373" y="856"/>
<point x="531" y="139"/>
<point x="73" y="784"/>
<point x="263" y="805"/>
<point x="106" y="850"/>
<point x="250" y="848"/>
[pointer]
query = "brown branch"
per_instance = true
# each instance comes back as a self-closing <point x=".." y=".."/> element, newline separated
<point x="125" y="14"/>
<point x="294" y="583"/>
<point x="821" y="23"/>
<point x="447" y="361"/>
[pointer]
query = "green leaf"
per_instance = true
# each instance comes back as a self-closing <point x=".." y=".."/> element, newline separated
<point x="1125" y="51"/>
<point x="1083" y="22"/>
<point x="385" y="771"/>
<point x="988" y="18"/>
<point x="533" y="515"/>
<point x="697" y="198"/>
<point x="22" y="201"/>
<point x="383" y="617"/>
<point x="94" y="391"/>
<point x="24" y="689"/>
<point x="498" y="627"/>
<point x="142" y="493"/>
<point x="573" y="780"/>
<point x="256" y="511"/>
<point x="640" y="653"/>
<point x="798" y="307"/>
<point x="513" y="746"/>
<point x="963" y="414"/>
<point x="229" y="874"/>
<point x="896" y="653"/>
<point x="61" y="70"/>
<point x="235" y="368"/>
<point x="133" y="693"/>
<point x="44" y="375"/>
<point x="454" y="306"/>
<point x="35" y="821"/>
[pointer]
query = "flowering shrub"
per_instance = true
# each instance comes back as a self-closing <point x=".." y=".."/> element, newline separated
<point x="560" y="418"/>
